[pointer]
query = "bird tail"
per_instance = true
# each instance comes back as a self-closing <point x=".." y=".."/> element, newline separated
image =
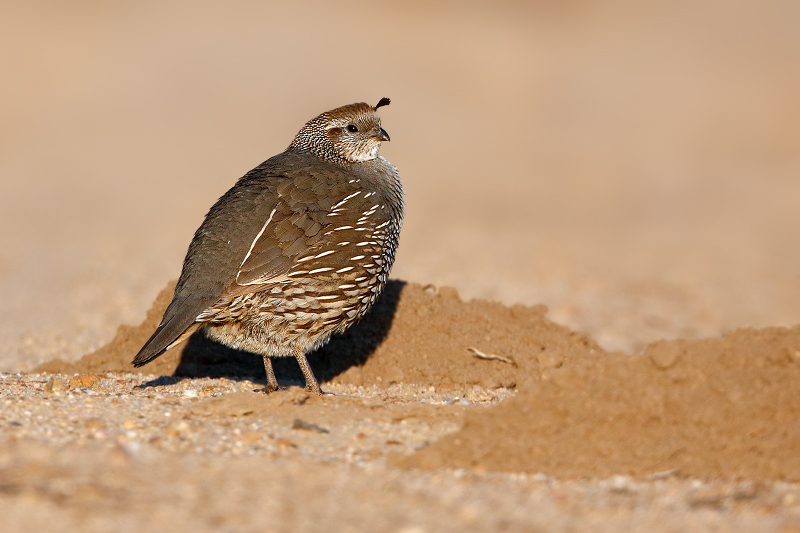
<point x="164" y="338"/>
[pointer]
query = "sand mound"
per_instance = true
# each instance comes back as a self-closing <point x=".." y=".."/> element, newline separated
<point x="412" y="335"/>
<point x="718" y="407"/>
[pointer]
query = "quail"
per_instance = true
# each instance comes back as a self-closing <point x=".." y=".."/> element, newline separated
<point x="297" y="250"/>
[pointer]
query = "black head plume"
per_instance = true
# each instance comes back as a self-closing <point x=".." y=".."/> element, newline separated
<point x="384" y="101"/>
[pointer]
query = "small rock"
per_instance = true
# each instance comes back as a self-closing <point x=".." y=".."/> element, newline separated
<point x="55" y="384"/>
<point x="250" y="437"/>
<point x="285" y="443"/>
<point x="95" y="423"/>
<point x="550" y="360"/>
<point x="176" y="428"/>
<point x="91" y="381"/>
<point x="664" y="354"/>
<point x="448" y="293"/>
<point x="308" y="426"/>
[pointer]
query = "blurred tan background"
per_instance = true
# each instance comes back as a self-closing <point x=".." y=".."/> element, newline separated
<point x="634" y="167"/>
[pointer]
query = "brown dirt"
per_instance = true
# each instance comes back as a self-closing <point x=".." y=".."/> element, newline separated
<point x="706" y="409"/>
<point x="715" y="408"/>
<point x="412" y="335"/>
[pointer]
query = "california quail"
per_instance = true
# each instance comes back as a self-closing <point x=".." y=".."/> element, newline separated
<point x="297" y="250"/>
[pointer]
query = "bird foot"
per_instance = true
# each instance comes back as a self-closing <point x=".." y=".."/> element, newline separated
<point x="272" y="388"/>
<point x="317" y="390"/>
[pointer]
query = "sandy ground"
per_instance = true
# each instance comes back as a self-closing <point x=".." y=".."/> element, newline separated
<point x="690" y="435"/>
<point x="128" y="453"/>
<point x="632" y="168"/>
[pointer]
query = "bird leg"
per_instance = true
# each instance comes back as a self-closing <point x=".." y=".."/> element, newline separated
<point x="311" y="381"/>
<point x="272" y="383"/>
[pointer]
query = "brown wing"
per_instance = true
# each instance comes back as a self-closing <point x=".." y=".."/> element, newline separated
<point x="255" y="232"/>
<point x="314" y="229"/>
<point x="289" y="231"/>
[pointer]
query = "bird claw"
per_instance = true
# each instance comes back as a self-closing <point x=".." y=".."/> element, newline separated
<point x="318" y="391"/>
<point x="272" y="388"/>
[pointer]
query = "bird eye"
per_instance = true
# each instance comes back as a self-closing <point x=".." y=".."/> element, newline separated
<point x="352" y="128"/>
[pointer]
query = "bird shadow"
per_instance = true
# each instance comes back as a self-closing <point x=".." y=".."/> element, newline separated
<point x="204" y="357"/>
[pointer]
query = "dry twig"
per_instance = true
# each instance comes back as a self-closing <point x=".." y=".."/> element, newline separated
<point x="490" y="356"/>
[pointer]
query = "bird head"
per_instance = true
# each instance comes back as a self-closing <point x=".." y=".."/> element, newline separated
<point x="350" y="134"/>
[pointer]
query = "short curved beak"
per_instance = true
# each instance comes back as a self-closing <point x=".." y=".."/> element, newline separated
<point x="382" y="135"/>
